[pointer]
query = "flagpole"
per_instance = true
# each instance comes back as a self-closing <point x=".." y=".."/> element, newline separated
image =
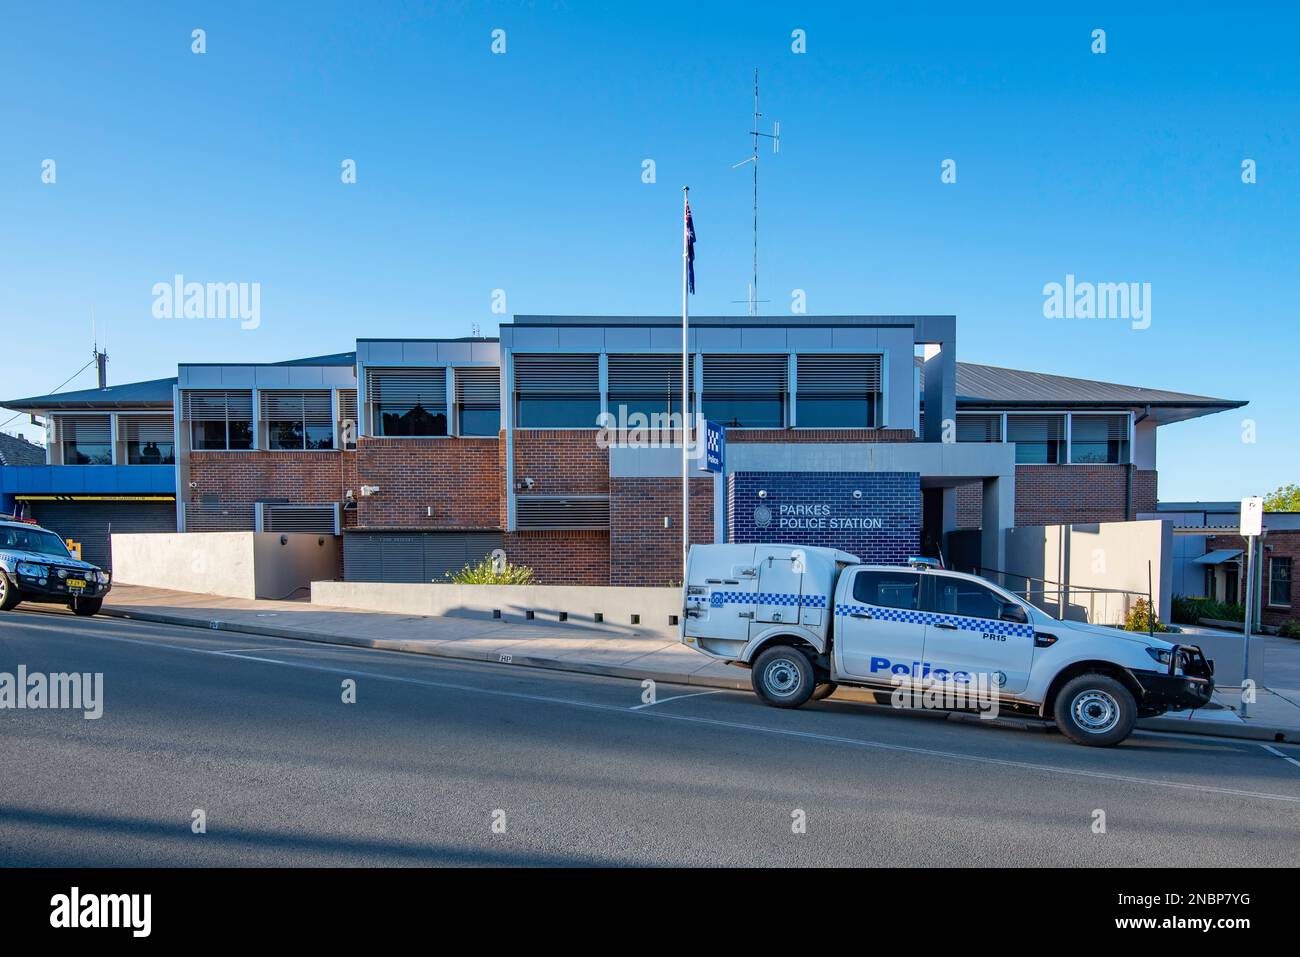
<point x="686" y="379"/>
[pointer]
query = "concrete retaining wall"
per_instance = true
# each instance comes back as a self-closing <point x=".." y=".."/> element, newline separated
<point x="619" y="609"/>
<point x="230" y="564"/>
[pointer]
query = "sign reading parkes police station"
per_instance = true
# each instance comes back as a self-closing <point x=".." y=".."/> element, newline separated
<point x="876" y="515"/>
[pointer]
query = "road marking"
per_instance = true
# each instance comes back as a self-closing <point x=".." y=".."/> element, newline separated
<point x="1272" y="750"/>
<point x="736" y="725"/>
<point x="679" y="697"/>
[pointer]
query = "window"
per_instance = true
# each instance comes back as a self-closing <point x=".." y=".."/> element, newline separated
<point x="349" y="424"/>
<point x="837" y="392"/>
<point x="888" y="589"/>
<point x="407" y="402"/>
<point x="1279" y="582"/>
<point x="478" y="401"/>
<point x="1099" y="439"/>
<point x="979" y="428"/>
<point x="85" y="439"/>
<point x="746" y="392"/>
<point x="219" y="420"/>
<point x="297" y="421"/>
<point x="34" y="540"/>
<point x="146" y="439"/>
<point x="649" y="385"/>
<point x="956" y="596"/>
<point x="1039" y="439"/>
<point x="557" y="391"/>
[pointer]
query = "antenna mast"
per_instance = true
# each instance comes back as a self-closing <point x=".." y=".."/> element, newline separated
<point x="775" y="137"/>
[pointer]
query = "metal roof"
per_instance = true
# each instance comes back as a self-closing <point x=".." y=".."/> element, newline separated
<point x="156" y="393"/>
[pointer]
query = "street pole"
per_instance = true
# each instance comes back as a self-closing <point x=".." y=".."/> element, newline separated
<point x="686" y="378"/>
<point x="1250" y="609"/>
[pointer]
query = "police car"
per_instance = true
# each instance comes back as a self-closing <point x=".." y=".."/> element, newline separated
<point x="36" y="566"/>
<point x="807" y="620"/>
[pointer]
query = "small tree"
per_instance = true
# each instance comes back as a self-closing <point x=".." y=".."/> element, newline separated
<point x="489" y="572"/>
<point x="1285" y="498"/>
<point x="1139" y="618"/>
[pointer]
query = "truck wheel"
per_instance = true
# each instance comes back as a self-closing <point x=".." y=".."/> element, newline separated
<point x="9" y="596"/>
<point x="824" y="690"/>
<point x="86" y="606"/>
<point x="783" y="677"/>
<point x="1095" y="710"/>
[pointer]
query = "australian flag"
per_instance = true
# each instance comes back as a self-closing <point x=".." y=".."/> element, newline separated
<point x="690" y="249"/>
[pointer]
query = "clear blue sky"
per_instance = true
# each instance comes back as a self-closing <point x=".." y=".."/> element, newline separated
<point x="523" y="172"/>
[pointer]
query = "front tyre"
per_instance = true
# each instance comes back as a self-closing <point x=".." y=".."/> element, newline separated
<point x="1096" y="711"/>
<point x="86" y="606"/>
<point x="9" y="596"/>
<point x="783" y="677"/>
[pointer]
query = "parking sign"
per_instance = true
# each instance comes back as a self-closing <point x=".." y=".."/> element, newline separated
<point x="1252" y="516"/>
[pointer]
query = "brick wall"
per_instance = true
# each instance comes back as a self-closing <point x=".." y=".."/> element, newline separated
<point x="241" y="478"/>
<point x="1285" y="544"/>
<point x="460" y="479"/>
<point x="1064" y="494"/>
<point x="561" y="460"/>
<point x="641" y="550"/>
<point x="562" y="558"/>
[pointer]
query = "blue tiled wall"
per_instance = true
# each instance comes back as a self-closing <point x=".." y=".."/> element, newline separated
<point x="818" y="508"/>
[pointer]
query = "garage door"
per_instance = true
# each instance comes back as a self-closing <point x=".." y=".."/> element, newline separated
<point x="412" y="556"/>
<point x="91" y="522"/>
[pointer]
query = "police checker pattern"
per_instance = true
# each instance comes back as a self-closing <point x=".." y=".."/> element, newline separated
<point x="911" y="617"/>
<point x="719" y="598"/>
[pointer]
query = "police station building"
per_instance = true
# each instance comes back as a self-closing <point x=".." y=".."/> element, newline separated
<point x="861" y="432"/>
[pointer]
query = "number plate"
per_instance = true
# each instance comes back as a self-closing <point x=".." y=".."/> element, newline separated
<point x="77" y="583"/>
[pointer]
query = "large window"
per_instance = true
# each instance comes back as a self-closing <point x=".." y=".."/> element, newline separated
<point x="478" y="401"/>
<point x="407" y="402"/>
<point x="85" y="439"/>
<point x="146" y="440"/>
<point x="979" y="428"/>
<point x="888" y="589"/>
<point x="1039" y="439"/>
<point x="649" y="385"/>
<point x="746" y="392"/>
<point x="219" y="420"/>
<point x="557" y="391"/>
<point x="837" y="392"/>
<point x="1099" y="439"/>
<point x="1279" y="582"/>
<point x="297" y="421"/>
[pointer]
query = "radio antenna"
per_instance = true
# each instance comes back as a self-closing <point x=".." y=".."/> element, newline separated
<point x="775" y="137"/>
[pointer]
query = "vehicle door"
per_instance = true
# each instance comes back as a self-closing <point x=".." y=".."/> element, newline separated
<point x="879" y="626"/>
<point x="974" y="630"/>
<point x="780" y="586"/>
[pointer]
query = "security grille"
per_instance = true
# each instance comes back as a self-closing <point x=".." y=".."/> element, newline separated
<point x="220" y="518"/>
<point x="553" y="512"/>
<point x="282" y="517"/>
<point x="833" y="376"/>
<point x="413" y="556"/>
<point x="979" y="428"/>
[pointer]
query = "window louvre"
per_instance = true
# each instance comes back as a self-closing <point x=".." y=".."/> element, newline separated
<point x="557" y="391"/>
<point x="85" y="429"/>
<point x="313" y="405"/>
<point x="410" y="402"/>
<point x="536" y="512"/>
<point x="1039" y="439"/>
<point x="838" y="375"/>
<point x="979" y="428"/>
<point x="745" y="391"/>
<point x="144" y="428"/>
<point x="212" y="405"/>
<point x="282" y="517"/>
<point x="1099" y="439"/>
<point x="349" y="424"/>
<point x="219" y="518"/>
<point x="478" y="387"/>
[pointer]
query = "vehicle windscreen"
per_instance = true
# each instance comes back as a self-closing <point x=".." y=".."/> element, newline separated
<point x="33" y="540"/>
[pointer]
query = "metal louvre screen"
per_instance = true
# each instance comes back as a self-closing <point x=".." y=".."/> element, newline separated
<point x="1035" y="428"/>
<point x="87" y="429"/>
<point x="349" y="424"/>
<point x="838" y="375"/>
<point x="745" y="376"/>
<point x="220" y="518"/>
<point x="535" y="512"/>
<point x="279" y="517"/>
<point x="537" y="375"/>
<point x="1099" y="428"/>
<point x="144" y="428"/>
<point x="310" y="406"/>
<point x="979" y="428"/>
<point x="478" y="387"/>
<point x="647" y="375"/>
<point x="408" y="388"/>
<point x="212" y="405"/>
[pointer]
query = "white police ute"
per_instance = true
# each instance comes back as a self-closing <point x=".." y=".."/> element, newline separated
<point x="806" y="620"/>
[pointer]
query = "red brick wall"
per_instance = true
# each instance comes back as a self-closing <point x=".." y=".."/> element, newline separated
<point x="641" y="550"/>
<point x="241" y="478"/>
<point x="561" y="460"/>
<point x="562" y="558"/>
<point x="1064" y="494"/>
<point x="461" y="479"/>
<point x="1285" y="544"/>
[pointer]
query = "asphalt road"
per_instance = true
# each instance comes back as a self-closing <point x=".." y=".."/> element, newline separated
<point x="255" y="733"/>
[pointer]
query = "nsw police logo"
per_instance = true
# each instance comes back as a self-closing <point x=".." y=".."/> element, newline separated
<point x="762" y="516"/>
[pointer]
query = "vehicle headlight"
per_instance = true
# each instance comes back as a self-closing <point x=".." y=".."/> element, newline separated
<point x="1163" y="655"/>
<point x="103" y="577"/>
<point x="33" y="571"/>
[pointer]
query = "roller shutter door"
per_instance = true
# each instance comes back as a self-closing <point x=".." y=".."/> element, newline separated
<point x="91" y="522"/>
<point x="412" y="556"/>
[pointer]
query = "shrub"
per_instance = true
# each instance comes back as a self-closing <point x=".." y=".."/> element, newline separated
<point x="1290" y="629"/>
<point x="1188" y="611"/>
<point x="1139" y="618"/>
<point x="490" y="572"/>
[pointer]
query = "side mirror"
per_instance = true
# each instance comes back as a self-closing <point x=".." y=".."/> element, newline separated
<point x="1013" y="612"/>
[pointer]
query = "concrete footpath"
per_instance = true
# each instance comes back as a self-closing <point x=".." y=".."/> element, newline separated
<point x="628" y="652"/>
